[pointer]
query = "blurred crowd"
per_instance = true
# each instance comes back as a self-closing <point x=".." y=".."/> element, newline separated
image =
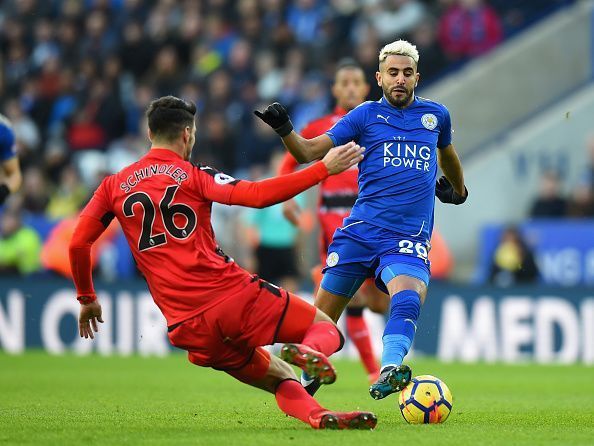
<point x="552" y="200"/>
<point x="77" y="75"/>
<point x="513" y="259"/>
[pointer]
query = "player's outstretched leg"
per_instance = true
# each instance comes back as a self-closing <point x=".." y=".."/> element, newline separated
<point x="312" y="337"/>
<point x="312" y="362"/>
<point x="399" y="333"/>
<point x="275" y="376"/>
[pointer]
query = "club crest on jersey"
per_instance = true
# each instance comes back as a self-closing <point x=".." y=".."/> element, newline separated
<point x="223" y="178"/>
<point x="332" y="259"/>
<point x="429" y="121"/>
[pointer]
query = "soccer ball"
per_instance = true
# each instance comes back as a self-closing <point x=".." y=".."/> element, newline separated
<point x="426" y="399"/>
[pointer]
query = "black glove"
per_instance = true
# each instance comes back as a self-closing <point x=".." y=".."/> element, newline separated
<point x="446" y="193"/>
<point x="4" y="192"/>
<point x="276" y="116"/>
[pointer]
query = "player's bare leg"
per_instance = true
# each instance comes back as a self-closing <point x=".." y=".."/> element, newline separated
<point x="275" y="376"/>
<point x="331" y="304"/>
<point x="375" y="299"/>
<point x="395" y="375"/>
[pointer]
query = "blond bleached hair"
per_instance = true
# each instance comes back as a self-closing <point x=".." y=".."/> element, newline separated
<point x="399" y="48"/>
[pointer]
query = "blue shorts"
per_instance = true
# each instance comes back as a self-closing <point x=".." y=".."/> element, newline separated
<point x="360" y="250"/>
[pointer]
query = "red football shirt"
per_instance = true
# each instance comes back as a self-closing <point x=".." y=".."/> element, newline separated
<point x="338" y="193"/>
<point x="163" y="204"/>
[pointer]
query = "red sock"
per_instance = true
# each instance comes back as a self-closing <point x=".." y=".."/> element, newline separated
<point x="359" y="333"/>
<point x="293" y="400"/>
<point x="323" y="337"/>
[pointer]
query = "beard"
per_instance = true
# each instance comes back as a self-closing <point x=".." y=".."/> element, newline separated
<point x="398" y="101"/>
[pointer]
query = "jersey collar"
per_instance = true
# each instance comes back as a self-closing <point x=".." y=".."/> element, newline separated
<point x="161" y="152"/>
<point x="385" y="102"/>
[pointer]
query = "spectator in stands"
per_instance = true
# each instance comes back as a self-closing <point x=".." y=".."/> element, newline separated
<point x="513" y="261"/>
<point x="434" y="60"/>
<point x="19" y="245"/>
<point x="550" y="203"/>
<point x="393" y="18"/>
<point x="305" y="18"/>
<point x="469" y="28"/>
<point x="581" y="202"/>
<point x="34" y="196"/>
<point x="68" y="197"/>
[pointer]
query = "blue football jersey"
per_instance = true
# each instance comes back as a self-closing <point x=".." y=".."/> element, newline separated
<point x="7" y="147"/>
<point x="397" y="176"/>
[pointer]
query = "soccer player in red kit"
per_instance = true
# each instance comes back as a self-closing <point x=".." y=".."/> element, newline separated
<point x="217" y="311"/>
<point x="337" y="196"/>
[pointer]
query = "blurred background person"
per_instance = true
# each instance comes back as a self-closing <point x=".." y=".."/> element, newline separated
<point x="550" y="202"/>
<point x="513" y="261"/>
<point x="19" y="245"/>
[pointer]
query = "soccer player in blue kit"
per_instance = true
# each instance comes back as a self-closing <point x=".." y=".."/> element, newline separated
<point x="387" y="234"/>
<point x="10" y="171"/>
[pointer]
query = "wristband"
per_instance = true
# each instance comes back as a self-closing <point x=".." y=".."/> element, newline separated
<point x="284" y="129"/>
<point x="86" y="299"/>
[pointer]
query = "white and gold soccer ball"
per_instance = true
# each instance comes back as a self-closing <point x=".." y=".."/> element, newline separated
<point x="426" y="399"/>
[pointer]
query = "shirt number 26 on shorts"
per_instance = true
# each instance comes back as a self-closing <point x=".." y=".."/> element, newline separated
<point x="411" y="248"/>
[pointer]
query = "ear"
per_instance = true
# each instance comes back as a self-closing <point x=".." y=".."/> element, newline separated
<point x="150" y="135"/>
<point x="378" y="78"/>
<point x="418" y="76"/>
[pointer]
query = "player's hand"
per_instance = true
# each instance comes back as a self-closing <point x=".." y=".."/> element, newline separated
<point x="90" y="314"/>
<point x="276" y="116"/>
<point x="446" y="193"/>
<point x="292" y="211"/>
<point x="340" y="158"/>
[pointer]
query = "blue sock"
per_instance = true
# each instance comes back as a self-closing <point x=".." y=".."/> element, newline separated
<point x="399" y="333"/>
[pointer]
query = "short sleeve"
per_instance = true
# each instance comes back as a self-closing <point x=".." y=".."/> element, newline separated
<point x="349" y="127"/>
<point x="445" y="130"/>
<point x="99" y="207"/>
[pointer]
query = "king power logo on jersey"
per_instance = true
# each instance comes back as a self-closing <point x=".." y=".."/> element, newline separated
<point x="411" y="156"/>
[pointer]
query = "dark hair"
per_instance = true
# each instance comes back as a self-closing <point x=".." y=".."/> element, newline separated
<point x="169" y="116"/>
<point x="347" y="62"/>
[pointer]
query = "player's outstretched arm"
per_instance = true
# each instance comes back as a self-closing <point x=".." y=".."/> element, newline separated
<point x="304" y="150"/>
<point x="291" y="210"/>
<point x="87" y="231"/>
<point x="450" y="188"/>
<point x="275" y="190"/>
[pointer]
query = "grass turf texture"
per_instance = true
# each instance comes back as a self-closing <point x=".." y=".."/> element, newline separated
<point x="151" y="401"/>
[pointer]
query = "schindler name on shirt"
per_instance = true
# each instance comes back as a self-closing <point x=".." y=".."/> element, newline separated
<point x="400" y="154"/>
<point x="171" y="170"/>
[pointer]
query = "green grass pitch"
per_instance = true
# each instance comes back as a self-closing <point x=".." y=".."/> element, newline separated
<point x="46" y="400"/>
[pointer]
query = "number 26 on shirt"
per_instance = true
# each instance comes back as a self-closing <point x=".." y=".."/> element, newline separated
<point x="168" y="212"/>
